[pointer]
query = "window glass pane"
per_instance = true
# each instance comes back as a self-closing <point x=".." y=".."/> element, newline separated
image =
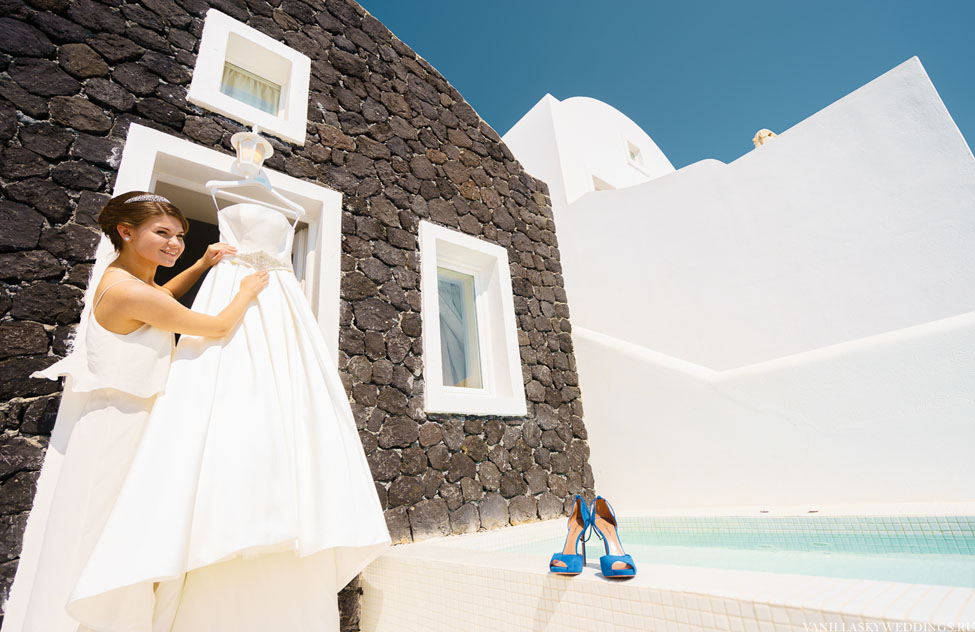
<point x="458" y="329"/>
<point x="250" y="88"/>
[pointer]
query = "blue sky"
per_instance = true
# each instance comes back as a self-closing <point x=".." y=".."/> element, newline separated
<point x="700" y="77"/>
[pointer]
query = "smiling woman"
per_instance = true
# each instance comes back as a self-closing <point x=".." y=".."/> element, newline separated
<point x="148" y="232"/>
<point x="118" y="367"/>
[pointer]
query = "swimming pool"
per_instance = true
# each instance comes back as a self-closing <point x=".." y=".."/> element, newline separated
<point x="697" y="572"/>
<point x="937" y="550"/>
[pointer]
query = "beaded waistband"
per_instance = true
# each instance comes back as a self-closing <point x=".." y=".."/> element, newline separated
<point x="260" y="260"/>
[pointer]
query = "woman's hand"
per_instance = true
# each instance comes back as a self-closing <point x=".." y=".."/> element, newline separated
<point x="216" y="252"/>
<point x="252" y="284"/>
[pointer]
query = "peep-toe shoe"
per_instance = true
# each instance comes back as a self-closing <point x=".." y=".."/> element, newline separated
<point x="578" y="524"/>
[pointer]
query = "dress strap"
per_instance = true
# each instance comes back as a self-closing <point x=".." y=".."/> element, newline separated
<point x="110" y="286"/>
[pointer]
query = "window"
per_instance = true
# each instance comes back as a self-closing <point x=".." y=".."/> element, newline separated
<point x="250" y="88"/>
<point x="633" y="154"/>
<point x="471" y="360"/>
<point x="249" y="77"/>
<point x="459" y="354"/>
<point x="598" y="184"/>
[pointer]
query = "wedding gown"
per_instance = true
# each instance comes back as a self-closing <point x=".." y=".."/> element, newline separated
<point x="112" y="381"/>
<point x="249" y="502"/>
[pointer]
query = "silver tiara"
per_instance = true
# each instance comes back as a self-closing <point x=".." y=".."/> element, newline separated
<point x="148" y="197"/>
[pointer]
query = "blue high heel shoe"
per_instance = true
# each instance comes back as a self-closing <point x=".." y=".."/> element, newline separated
<point x="603" y="522"/>
<point x="579" y="522"/>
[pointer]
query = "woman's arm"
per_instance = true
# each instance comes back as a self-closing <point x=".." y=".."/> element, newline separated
<point x="182" y="282"/>
<point x="145" y="304"/>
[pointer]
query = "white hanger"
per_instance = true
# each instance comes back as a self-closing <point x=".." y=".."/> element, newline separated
<point x="260" y="179"/>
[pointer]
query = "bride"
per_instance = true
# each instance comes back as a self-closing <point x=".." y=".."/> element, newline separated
<point x="119" y="365"/>
<point x="248" y="502"/>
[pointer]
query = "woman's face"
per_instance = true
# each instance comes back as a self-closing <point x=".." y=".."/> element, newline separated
<point x="159" y="239"/>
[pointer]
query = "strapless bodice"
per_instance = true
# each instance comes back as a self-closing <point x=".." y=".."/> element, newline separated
<point x="262" y="236"/>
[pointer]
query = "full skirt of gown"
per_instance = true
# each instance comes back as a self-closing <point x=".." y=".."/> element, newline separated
<point x="249" y="502"/>
<point x="90" y="451"/>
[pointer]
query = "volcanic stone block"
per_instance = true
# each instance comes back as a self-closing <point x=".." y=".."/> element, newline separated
<point x="471" y="489"/>
<point x="42" y="77"/>
<point x="23" y="39"/>
<point x="537" y="479"/>
<point x="453" y="433"/>
<point x="375" y="314"/>
<point x="21" y="338"/>
<point x="428" y="519"/>
<point x="493" y="511"/>
<point x="522" y="509"/>
<point x="430" y="434"/>
<point x="398" y="432"/>
<point x="89" y="206"/>
<point x="513" y="484"/>
<point x="452" y="494"/>
<point x="104" y="151"/>
<point x="48" y="140"/>
<point x="489" y="475"/>
<point x="461" y="465"/>
<point x="76" y="174"/>
<point x="414" y="461"/>
<point x="465" y="519"/>
<point x="398" y="523"/>
<point x="18" y="162"/>
<point x="11" y="534"/>
<point x="80" y="114"/>
<point x="15" y="380"/>
<point x="549" y="506"/>
<point x="521" y="456"/>
<point x="20" y="227"/>
<point x="385" y="465"/>
<point x="56" y="27"/>
<point x="29" y="265"/>
<point x="405" y="490"/>
<point x="95" y="16"/>
<point x="20" y="454"/>
<point x="161" y="112"/>
<point x="111" y="95"/>
<point x="17" y="492"/>
<point x="532" y="434"/>
<point x="499" y="456"/>
<point x="439" y="457"/>
<point x="81" y="61"/>
<point x="71" y="241"/>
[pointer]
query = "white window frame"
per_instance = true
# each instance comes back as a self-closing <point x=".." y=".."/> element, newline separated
<point x="503" y="391"/>
<point x="152" y="158"/>
<point x="227" y="40"/>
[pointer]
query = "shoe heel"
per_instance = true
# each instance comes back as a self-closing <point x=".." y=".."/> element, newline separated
<point x="573" y="563"/>
<point x="602" y="510"/>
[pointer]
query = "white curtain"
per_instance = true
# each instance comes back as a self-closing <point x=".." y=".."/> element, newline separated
<point x="454" y="345"/>
<point x="250" y="89"/>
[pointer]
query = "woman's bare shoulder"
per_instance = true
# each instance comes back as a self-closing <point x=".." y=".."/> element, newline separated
<point x="115" y="276"/>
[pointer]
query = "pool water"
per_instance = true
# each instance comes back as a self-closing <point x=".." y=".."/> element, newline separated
<point x="937" y="550"/>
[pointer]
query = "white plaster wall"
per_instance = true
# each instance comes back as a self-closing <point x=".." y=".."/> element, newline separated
<point x="566" y="143"/>
<point x="857" y="221"/>
<point x="883" y="419"/>
<point x="796" y="327"/>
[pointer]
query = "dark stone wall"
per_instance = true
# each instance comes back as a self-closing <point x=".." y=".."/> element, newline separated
<point x="385" y="129"/>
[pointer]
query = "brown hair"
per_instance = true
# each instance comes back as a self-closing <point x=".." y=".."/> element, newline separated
<point x="119" y="211"/>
